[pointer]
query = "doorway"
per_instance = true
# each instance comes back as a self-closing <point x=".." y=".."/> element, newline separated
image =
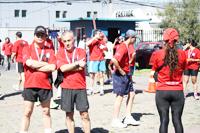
<point x="113" y="33"/>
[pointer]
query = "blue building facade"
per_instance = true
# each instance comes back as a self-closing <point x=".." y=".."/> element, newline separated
<point x="112" y="27"/>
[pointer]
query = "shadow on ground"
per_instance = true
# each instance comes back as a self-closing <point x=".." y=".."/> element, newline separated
<point x="137" y="116"/>
<point x="9" y="95"/>
<point x="79" y="130"/>
<point x="191" y="94"/>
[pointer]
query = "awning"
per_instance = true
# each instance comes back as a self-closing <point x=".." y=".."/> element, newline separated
<point x="104" y="19"/>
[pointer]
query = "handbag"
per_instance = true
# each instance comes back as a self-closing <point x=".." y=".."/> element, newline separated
<point x="155" y="75"/>
<point x="59" y="79"/>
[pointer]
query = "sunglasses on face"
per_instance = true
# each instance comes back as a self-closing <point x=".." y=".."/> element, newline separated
<point x="40" y="35"/>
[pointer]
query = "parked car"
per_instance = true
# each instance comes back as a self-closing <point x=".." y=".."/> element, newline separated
<point x="144" y="51"/>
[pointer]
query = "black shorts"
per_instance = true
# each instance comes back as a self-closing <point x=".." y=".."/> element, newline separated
<point x="191" y="72"/>
<point x="20" y="67"/>
<point x="33" y="94"/>
<point x="69" y="97"/>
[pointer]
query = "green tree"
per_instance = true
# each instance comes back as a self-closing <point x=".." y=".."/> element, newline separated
<point x="184" y="16"/>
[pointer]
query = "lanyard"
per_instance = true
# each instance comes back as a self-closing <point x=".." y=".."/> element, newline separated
<point x="190" y="53"/>
<point x="73" y="56"/>
<point x="41" y="55"/>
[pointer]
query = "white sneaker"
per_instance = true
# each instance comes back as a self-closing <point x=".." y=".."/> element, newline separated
<point x="101" y="92"/>
<point x="196" y="96"/>
<point x="131" y="121"/>
<point x="89" y="92"/>
<point x="118" y="124"/>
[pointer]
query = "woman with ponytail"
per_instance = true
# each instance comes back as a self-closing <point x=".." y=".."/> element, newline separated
<point x="169" y="90"/>
<point x="193" y="58"/>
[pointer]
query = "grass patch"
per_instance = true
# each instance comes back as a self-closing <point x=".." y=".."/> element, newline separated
<point x="141" y="72"/>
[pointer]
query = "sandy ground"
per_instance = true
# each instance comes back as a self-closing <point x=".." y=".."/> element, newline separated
<point x="101" y="108"/>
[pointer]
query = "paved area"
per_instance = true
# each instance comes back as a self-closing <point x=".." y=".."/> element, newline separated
<point x="101" y="108"/>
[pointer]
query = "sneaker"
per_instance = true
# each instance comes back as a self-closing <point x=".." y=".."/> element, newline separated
<point x="185" y="95"/>
<point x="107" y="82"/>
<point x="131" y="121"/>
<point x="101" y="93"/>
<point x="118" y="124"/>
<point x="98" y="83"/>
<point x="89" y="92"/>
<point x="196" y="96"/>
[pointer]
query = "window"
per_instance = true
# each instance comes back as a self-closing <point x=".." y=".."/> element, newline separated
<point x="95" y="14"/>
<point x="17" y="13"/>
<point x="57" y="14"/>
<point x="88" y="14"/>
<point x="24" y="13"/>
<point x="64" y="14"/>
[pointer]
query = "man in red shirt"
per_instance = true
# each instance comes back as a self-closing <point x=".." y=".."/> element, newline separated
<point x="17" y="55"/>
<point x="97" y="64"/>
<point x="39" y="61"/>
<point x="122" y="83"/>
<point x="7" y="49"/>
<point x="71" y="61"/>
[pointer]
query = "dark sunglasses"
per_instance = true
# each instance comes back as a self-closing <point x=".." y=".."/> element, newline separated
<point x="40" y="35"/>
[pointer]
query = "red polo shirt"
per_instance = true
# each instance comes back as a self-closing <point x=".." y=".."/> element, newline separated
<point x="18" y="48"/>
<point x="7" y="48"/>
<point x="121" y="55"/>
<point x="72" y="79"/>
<point x="164" y="80"/>
<point x="34" y="78"/>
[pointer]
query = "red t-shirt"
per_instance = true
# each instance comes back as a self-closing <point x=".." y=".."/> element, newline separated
<point x="95" y="53"/>
<point x="72" y="79"/>
<point x="34" y="78"/>
<point x="121" y="55"/>
<point x="18" y="48"/>
<point x="7" y="48"/>
<point x="115" y="48"/>
<point x="131" y="52"/>
<point x="151" y="61"/>
<point x="194" y="54"/>
<point x="164" y="81"/>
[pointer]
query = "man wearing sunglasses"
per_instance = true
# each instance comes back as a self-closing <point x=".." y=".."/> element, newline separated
<point x="39" y="61"/>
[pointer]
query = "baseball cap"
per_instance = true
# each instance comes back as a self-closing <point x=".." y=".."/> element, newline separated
<point x="40" y="29"/>
<point x="130" y="33"/>
<point x="171" y="35"/>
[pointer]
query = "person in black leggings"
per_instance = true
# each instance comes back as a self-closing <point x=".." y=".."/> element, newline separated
<point x="170" y="64"/>
<point x="175" y="100"/>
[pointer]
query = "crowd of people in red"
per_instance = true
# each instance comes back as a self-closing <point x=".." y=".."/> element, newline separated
<point x="37" y="61"/>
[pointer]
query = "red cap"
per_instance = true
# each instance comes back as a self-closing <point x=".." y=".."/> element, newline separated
<point x="170" y="35"/>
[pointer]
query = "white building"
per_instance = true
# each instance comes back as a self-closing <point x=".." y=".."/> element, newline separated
<point x="25" y="15"/>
